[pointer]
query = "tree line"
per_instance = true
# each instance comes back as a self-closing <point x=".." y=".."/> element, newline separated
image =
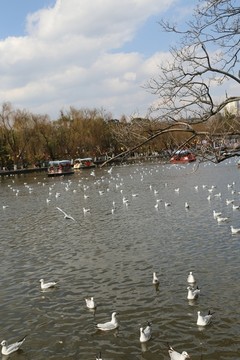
<point x="27" y="139"/>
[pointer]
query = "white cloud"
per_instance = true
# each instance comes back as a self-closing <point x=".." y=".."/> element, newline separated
<point x="71" y="56"/>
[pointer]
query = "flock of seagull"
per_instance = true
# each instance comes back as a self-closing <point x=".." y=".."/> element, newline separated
<point x="193" y="292"/>
<point x="145" y="332"/>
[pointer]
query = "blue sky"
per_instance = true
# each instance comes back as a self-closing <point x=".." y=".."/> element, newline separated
<point x="13" y="15"/>
<point x="55" y="54"/>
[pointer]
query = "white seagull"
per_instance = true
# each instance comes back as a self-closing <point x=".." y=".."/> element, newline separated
<point x="174" y="355"/>
<point x="146" y="334"/>
<point x="221" y="219"/>
<point x="48" y="285"/>
<point x="90" y="303"/>
<point x="203" y="320"/>
<point x="156" y="205"/>
<point x="190" y="278"/>
<point x="8" y="349"/>
<point x="66" y="216"/>
<point x="193" y="293"/>
<point x="110" y="325"/>
<point x="86" y="210"/>
<point x="216" y="214"/>
<point x="235" y="230"/>
<point x="167" y="204"/>
<point x="155" y="279"/>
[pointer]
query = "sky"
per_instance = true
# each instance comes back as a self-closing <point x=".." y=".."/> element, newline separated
<point x="57" y="54"/>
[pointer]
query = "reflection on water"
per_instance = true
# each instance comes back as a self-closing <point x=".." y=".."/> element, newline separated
<point x="111" y="255"/>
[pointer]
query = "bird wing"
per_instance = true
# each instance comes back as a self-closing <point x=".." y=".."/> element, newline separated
<point x="62" y="211"/>
<point x="49" y="285"/>
<point x="14" y="347"/>
<point x="106" y="326"/>
<point x="174" y="355"/>
<point x="147" y="331"/>
<point x="207" y="318"/>
<point x="70" y="217"/>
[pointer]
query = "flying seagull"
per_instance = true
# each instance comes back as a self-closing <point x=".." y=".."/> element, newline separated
<point x="66" y="216"/>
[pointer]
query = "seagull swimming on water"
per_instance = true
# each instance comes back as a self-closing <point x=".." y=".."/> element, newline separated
<point x="186" y="205"/>
<point x="90" y="303"/>
<point x="193" y="293"/>
<point x="9" y="349"/>
<point x="190" y="278"/>
<point x="48" y="285"/>
<point x="155" y="279"/>
<point x="110" y="325"/>
<point x="216" y="214"/>
<point x="221" y="219"/>
<point x="174" y="355"/>
<point x="167" y="204"/>
<point x="86" y="211"/>
<point x="146" y="334"/>
<point x="235" y="230"/>
<point x="204" y="320"/>
<point x="66" y="216"/>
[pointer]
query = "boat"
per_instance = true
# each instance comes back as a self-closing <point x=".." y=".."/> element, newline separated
<point x="182" y="157"/>
<point x="60" y="168"/>
<point x="83" y="163"/>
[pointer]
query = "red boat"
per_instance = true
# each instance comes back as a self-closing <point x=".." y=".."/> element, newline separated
<point x="182" y="157"/>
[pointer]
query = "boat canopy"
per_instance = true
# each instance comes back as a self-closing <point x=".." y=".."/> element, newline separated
<point x="83" y="159"/>
<point x="182" y="152"/>
<point x="59" y="162"/>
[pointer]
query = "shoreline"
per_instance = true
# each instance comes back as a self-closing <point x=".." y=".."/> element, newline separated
<point x="22" y="171"/>
<point x="97" y="163"/>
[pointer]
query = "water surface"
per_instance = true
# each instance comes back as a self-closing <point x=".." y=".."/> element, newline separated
<point x="112" y="256"/>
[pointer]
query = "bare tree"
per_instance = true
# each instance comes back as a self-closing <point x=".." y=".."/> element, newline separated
<point x="191" y="85"/>
<point x="207" y="58"/>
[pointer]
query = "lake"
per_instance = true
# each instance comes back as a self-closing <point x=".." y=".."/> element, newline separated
<point x="111" y="252"/>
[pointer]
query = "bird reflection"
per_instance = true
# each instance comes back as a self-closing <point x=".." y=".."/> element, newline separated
<point x="92" y="311"/>
<point x="192" y="302"/>
<point x="144" y="347"/>
<point x="156" y="287"/>
<point x="4" y="357"/>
